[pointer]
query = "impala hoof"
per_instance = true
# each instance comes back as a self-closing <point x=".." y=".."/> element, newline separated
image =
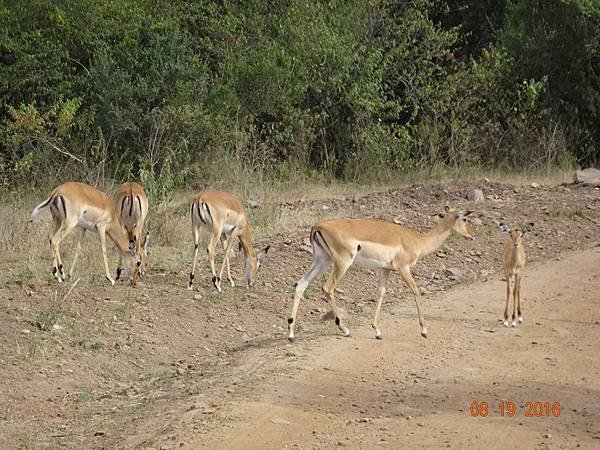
<point x="379" y="336"/>
<point x="514" y="323"/>
<point x="291" y="337"/>
<point x="347" y="333"/>
<point x="231" y="283"/>
<point x="424" y="332"/>
<point x="520" y="319"/>
<point x="505" y="323"/>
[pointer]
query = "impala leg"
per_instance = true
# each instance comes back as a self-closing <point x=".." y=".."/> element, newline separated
<point x="102" y="235"/>
<point x="520" y="316"/>
<point x="214" y="239"/>
<point x="339" y="269"/>
<point x="55" y="241"/>
<point x="383" y="277"/>
<point x="77" y="250"/>
<point x="410" y="281"/>
<point x="508" y="291"/>
<point x="196" y="234"/>
<point x="227" y="247"/>
<point x="320" y="263"/>
<point x="515" y="295"/>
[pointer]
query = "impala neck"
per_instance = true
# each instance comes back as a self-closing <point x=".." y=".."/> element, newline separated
<point x="117" y="235"/>
<point x="249" y="253"/>
<point x="434" y="239"/>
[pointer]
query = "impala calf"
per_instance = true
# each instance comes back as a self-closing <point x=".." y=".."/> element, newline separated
<point x="131" y="206"/>
<point x="514" y="258"/>
<point x="339" y="243"/>
<point x="224" y="217"/>
<point x="80" y="205"/>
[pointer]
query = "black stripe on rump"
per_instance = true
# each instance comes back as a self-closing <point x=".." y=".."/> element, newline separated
<point x="322" y="238"/>
<point x="140" y="203"/>
<point x="200" y="214"/>
<point x="60" y="199"/>
<point x="130" y="205"/>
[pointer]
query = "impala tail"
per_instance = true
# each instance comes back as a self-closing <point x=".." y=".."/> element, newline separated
<point x="40" y="208"/>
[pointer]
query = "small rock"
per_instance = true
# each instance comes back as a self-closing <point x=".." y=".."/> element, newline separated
<point x="475" y="195"/>
<point x="477" y="221"/>
<point x="453" y="273"/>
<point x="325" y="207"/>
<point x="535" y="185"/>
<point x="25" y="331"/>
<point x="198" y="297"/>
<point x="589" y="177"/>
<point x="548" y="436"/>
<point x="253" y="205"/>
<point x="356" y="199"/>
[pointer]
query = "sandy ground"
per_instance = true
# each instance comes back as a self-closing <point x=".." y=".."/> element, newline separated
<point x="157" y="366"/>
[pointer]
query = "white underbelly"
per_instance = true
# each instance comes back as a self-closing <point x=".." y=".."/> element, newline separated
<point x="372" y="262"/>
<point x="227" y="228"/>
<point x="83" y="223"/>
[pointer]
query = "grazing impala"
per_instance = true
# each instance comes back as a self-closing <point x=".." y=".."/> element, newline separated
<point x="80" y="205"/>
<point x="513" y="258"/>
<point x="223" y="215"/>
<point x="131" y="206"/>
<point x="369" y="243"/>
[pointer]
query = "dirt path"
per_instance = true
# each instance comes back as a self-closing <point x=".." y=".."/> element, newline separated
<point x="158" y="366"/>
<point x="407" y="392"/>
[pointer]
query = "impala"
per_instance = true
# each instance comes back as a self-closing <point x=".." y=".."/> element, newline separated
<point x="131" y="206"/>
<point x="224" y="217"/>
<point x="80" y="205"/>
<point x="339" y="243"/>
<point x="513" y="258"/>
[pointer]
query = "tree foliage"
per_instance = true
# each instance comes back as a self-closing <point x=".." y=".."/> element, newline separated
<point x="164" y="90"/>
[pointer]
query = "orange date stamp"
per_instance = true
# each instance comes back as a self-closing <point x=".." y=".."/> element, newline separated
<point x="510" y="409"/>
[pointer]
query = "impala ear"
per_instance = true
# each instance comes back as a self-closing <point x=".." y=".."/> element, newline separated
<point x="446" y="209"/>
<point x="262" y="253"/>
<point x="468" y="213"/>
<point x="527" y="228"/>
<point x="132" y="248"/>
<point x="504" y="228"/>
<point x="146" y="240"/>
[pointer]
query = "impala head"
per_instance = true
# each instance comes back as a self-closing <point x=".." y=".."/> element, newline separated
<point x="134" y="262"/>
<point x="253" y="263"/>
<point x="516" y="235"/>
<point x="460" y="224"/>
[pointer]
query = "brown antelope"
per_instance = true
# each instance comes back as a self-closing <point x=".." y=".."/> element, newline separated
<point x="370" y="243"/>
<point x="513" y="258"/>
<point x="80" y="205"/>
<point x="223" y="215"/>
<point x="131" y="206"/>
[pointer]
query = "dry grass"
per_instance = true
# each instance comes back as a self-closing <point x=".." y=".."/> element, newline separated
<point x="27" y="255"/>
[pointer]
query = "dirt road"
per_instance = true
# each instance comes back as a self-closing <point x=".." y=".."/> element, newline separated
<point x="158" y="366"/>
<point x="408" y="392"/>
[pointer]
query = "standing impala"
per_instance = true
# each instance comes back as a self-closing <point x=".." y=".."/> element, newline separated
<point x="80" y="205"/>
<point x="131" y="206"/>
<point x="514" y="258"/>
<point x="223" y="215"/>
<point x="369" y="243"/>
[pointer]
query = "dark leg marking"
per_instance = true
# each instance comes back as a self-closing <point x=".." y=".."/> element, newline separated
<point x="191" y="276"/>
<point x="54" y="271"/>
<point x="337" y="321"/>
<point x="195" y="246"/>
<point x="118" y="273"/>
<point x="291" y="320"/>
